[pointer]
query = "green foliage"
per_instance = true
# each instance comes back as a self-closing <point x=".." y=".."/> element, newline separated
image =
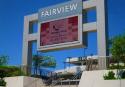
<point x="116" y="67"/>
<point x="37" y="60"/>
<point x="3" y="60"/>
<point x="49" y="61"/>
<point x="16" y="73"/>
<point x="2" y="75"/>
<point x="10" y="71"/>
<point x="123" y="75"/>
<point x="118" y="48"/>
<point x="43" y="61"/>
<point x="118" y="51"/>
<point x="2" y="82"/>
<point x="8" y="67"/>
<point x="109" y="76"/>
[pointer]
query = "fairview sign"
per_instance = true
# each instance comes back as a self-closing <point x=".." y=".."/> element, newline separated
<point x="73" y="7"/>
<point x="55" y="11"/>
<point x="60" y="26"/>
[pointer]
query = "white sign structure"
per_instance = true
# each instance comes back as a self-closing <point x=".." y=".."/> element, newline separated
<point x="44" y="15"/>
<point x="60" y="26"/>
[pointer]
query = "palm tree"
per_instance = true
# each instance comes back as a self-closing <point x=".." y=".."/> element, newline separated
<point x="43" y="61"/>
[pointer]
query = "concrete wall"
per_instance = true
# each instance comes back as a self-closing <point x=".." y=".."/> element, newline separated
<point x="88" y="79"/>
<point x="23" y="81"/>
<point x="14" y="81"/>
<point x="95" y="79"/>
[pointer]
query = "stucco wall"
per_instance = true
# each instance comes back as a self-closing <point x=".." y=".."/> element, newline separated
<point x="14" y="81"/>
<point x="23" y="81"/>
<point x="88" y="79"/>
<point x="95" y="79"/>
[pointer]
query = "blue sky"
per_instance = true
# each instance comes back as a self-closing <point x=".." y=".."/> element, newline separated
<point x="12" y="13"/>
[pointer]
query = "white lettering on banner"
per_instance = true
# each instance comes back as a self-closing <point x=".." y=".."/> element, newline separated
<point x="60" y="10"/>
<point x="73" y="7"/>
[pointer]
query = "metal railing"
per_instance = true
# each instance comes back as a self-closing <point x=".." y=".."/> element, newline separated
<point x="72" y="81"/>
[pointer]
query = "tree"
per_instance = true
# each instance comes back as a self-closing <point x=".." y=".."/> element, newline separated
<point x="118" y="49"/>
<point x="48" y="61"/>
<point x="43" y="61"/>
<point x="2" y="75"/>
<point x="3" y="60"/>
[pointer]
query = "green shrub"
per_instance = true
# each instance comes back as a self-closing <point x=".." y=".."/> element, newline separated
<point x="123" y="75"/>
<point x="10" y="71"/>
<point x="2" y="74"/>
<point x="109" y="76"/>
<point x="116" y="67"/>
<point x="2" y="82"/>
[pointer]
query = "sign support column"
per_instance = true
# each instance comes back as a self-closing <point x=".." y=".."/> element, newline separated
<point x="101" y="33"/>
